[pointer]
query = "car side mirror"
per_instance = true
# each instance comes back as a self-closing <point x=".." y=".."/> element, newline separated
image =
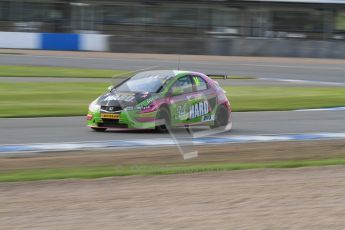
<point x="176" y="91"/>
<point x="110" y="88"/>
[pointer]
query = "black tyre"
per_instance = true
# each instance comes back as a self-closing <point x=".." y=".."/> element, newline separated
<point x="222" y="117"/>
<point x="98" y="129"/>
<point x="163" y="115"/>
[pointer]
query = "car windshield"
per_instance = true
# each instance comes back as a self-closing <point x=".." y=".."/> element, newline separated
<point x="150" y="82"/>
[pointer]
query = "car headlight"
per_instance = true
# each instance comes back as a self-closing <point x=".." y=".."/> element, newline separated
<point x="93" y="107"/>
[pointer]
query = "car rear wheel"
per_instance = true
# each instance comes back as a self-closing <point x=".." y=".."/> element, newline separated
<point x="98" y="129"/>
<point x="221" y="118"/>
<point x="163" y="116"/>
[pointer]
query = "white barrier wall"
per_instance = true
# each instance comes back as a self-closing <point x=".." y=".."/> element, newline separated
<point x="54" y="41"/>
<point x="93" y="42"/>
<point x="19" y="40"/>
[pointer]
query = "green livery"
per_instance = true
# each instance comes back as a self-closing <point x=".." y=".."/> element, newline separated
<point x="159" y="100"/>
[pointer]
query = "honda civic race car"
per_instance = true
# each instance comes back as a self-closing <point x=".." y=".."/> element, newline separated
<point x="159" y="100"/>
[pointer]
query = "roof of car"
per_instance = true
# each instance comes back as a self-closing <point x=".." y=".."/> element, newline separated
<point x="164" y="74"/>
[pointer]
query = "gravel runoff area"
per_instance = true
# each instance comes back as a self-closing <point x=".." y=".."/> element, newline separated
<point x="304" y="198"/>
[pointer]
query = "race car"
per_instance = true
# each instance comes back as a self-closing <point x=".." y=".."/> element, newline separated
<point x="161" y="99"/>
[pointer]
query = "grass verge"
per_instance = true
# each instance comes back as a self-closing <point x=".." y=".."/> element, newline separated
<point x="144" y="170"/>
<point x="272" y="98"/>
<point x="60" y="72"/>
<point x="240" y="78"/>
<point x="27" y="99"/>
<point x="47" y="99"/>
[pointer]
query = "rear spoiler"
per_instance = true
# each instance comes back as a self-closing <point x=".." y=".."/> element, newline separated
<point x="217" y="76"/>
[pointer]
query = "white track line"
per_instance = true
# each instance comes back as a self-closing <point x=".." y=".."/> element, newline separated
<point x="12" y="150"/>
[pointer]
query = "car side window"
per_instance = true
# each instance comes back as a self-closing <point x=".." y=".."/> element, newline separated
<point x="200" y="83"/>
<point x="183" y="83"/>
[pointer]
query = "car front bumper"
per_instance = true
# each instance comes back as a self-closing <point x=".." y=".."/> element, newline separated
<point x="127" y="120"/>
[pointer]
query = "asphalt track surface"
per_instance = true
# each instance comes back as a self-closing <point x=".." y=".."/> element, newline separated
<point x="73" y="129"/>
<point x="328" y="71"/>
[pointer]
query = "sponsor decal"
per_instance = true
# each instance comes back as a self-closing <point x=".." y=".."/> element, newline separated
<point x="110" y="116"/>
<point x="198" y="109"/>
<point x="151" y="99"/>
<point x="207" y="117"/>
<point x="183" y="112"/>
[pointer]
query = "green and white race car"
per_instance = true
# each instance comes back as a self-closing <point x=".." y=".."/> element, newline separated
<point x="159" y="100"/>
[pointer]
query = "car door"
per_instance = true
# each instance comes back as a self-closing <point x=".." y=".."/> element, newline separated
<point x="180" y="93"/>
<point x="203" y="101"/>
